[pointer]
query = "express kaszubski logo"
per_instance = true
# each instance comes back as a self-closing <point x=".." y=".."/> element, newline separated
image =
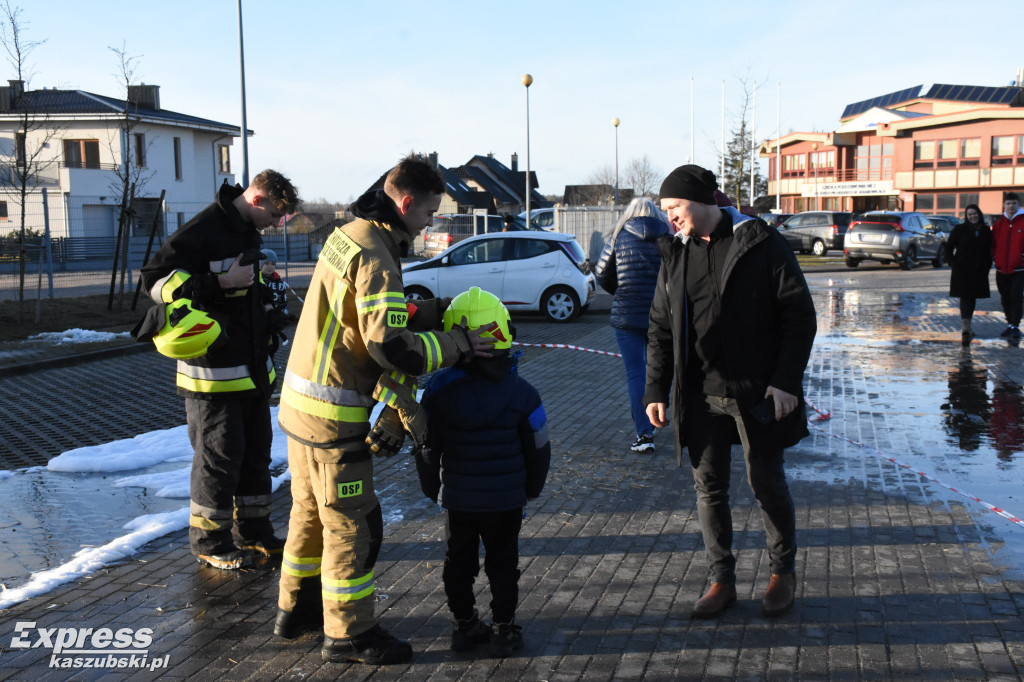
<point x="124" y="648"/>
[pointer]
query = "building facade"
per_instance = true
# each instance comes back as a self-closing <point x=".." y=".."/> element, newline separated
<point x="934" y="152"/>
<point x="78" y="147"/>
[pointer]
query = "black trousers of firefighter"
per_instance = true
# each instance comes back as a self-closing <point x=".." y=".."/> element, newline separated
<point x="230" y="486"/>
<point x="334" y="535"/>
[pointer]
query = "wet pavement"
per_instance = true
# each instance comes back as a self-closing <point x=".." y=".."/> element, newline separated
<point x="899" y="576"/>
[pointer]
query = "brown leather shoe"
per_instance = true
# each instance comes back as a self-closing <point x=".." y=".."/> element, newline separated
<point x="718" y="598"/>
<point x="778" y="598"/>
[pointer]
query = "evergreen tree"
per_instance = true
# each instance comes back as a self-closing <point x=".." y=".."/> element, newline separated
<point x="735" y="182"/>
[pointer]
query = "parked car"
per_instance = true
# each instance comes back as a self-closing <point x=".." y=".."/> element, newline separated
<point x="776" y="219"/>
<point x="452" y="228"/>
<point x="816" y="232"/>
<point x="527" y="270"/>
<point x="903" y="237"/>
<point x="944" y="224"/>
<point x="541" y="218"/>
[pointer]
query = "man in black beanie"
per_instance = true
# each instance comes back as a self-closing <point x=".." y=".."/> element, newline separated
<point x="731" y="330"/>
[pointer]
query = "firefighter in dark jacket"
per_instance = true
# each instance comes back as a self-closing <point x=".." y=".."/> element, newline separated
<point x="487" y="454"/>
<point x="209" y="265"/>
<point x="731" y="330"/>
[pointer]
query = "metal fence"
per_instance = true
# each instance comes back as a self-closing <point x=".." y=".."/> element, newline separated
<point x="79" y="256"/>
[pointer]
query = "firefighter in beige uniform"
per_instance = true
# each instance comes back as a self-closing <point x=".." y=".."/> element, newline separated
<point x="355" y="344"/>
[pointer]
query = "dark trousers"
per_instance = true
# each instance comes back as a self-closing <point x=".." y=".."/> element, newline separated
<point x="1011" y="295"/>
<point x="230" y="484"/>
<point x="712" y="424"/>
<point x="499" y="532"/>
<point x="967" y="306"/>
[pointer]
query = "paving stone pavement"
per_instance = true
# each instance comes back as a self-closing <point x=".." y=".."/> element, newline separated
<point x="897" y="578"/>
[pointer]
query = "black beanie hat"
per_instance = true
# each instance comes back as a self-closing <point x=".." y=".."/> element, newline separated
<point x="690" y="182"/>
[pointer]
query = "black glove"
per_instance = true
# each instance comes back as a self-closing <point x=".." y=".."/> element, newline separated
<point x="388" y="434"/>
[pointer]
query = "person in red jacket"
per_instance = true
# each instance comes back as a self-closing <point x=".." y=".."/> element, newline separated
<point x="1008" y="255"/>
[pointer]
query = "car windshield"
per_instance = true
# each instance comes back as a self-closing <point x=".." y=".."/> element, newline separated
<point x="881" y="218"/>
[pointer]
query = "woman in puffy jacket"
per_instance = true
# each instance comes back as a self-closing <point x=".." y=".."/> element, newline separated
<point x="628" y="269"/>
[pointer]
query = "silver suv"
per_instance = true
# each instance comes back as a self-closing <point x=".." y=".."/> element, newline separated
<point x="903" y="237"/>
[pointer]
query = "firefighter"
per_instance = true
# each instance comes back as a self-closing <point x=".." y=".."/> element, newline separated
<point x="207" y="269"/>
<point x="357" y="343"/>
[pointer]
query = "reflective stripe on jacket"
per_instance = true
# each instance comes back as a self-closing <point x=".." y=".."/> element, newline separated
<point x="355" y="326"/>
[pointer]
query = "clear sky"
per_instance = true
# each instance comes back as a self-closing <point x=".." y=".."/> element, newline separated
<point x="338" y="91"/>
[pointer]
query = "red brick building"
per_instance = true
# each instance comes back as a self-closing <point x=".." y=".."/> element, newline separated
<point x="937" y="152"/>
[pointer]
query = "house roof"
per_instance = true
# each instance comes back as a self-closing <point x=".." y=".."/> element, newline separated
<point x="487" y="183"/>
<point x="86" y="104"/>
<point x="455" y="187"/>
<point x="512" y="179"/>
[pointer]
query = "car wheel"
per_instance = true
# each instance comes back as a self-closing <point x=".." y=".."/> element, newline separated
<point x="818" y="248"/>
<point x="910" y="260"/>
<point x="937" y="262"/>
<point x="852" y="262"/>
<point x="417" y="293"/>
<point x="560" y="304"/>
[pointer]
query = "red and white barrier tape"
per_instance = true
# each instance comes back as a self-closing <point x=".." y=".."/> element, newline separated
<point x="569" y="346"/>
<point x="991" y="507"/>
<point x="822" y="416"/>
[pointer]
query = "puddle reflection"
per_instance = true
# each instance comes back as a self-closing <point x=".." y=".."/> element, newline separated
<point x="980" y="412"/>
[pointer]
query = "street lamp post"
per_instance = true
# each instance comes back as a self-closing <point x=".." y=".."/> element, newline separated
<point x="527" y="81"/>
<point x="814" y="164"/>
<point x="615" y="122"/>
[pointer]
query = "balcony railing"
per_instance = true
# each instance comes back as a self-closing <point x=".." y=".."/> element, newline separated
<point x="89" y="166"/>
<point x="842" y="175"/>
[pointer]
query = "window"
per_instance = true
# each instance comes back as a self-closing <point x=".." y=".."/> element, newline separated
<point x="3" y="210"/>
<point x="970" y="151"/>
<point x="873" y="159"/>
<point x="1003" y="149"/>
<point x="823" y="159"/>
<point x="947" y="153"/>
<point x="140" y="150"/>
<point x="19" y="142"/>
<point x="925" y="202"/>
<point x="529" y="248"/>
<point x="948" y="150"/>
<point x="967" y="199"/>
<point x="945" y="202"/>
<point x="486" y="251"/>
<point x="223" y="158"/>
<point x="82" y="153"/>
<point x="177" y="158"/>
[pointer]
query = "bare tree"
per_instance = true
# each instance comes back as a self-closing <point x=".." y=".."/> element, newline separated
<point x="642" y="176"/>
<point x="130" y="175"/>
<point x="31" y="160"/>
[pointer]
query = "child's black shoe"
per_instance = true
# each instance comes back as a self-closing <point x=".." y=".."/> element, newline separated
<point x="505" y="639"/>
<point x="466" y="634"/>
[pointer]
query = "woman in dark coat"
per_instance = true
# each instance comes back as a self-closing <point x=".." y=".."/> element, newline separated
<point x="628" y="269"/>
<point x="969" y="252"/>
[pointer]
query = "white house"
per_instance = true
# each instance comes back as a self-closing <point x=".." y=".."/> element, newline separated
<point x="83" y="145"/>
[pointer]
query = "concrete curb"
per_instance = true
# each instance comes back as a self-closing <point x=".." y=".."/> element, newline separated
<point x="73" y="359"/>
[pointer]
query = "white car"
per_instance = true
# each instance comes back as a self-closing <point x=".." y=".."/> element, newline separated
<point x="527" y="270"/>
<point x="540" y="219"/>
